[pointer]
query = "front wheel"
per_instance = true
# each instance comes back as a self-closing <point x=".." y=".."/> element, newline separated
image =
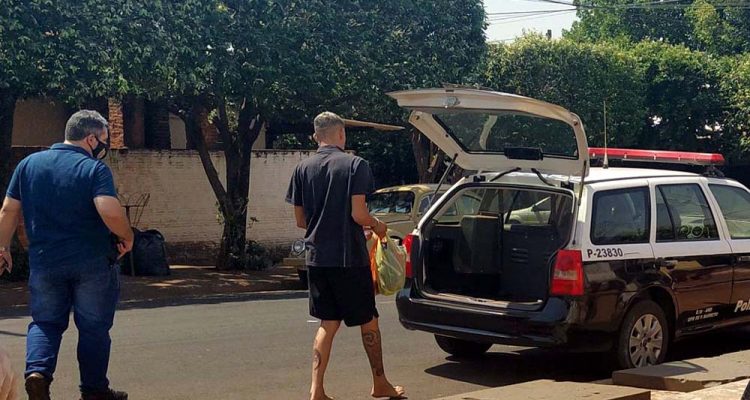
<point x="461" y="348"/>
<point x="644" y="336"/>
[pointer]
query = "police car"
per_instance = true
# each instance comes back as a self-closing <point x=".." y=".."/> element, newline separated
<point x="625" y="260"/>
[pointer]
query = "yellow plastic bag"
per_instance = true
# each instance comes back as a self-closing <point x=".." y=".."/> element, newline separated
<point x="390" y="260"/>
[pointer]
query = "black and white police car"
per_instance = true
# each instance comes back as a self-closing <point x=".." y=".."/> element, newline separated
<point x="551" y="252"/>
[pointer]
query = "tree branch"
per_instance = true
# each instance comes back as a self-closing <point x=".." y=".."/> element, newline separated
<point x="192" y="125"/>
<point x="222" y="123"/>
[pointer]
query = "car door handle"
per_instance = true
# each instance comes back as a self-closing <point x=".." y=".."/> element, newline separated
<point x="668" y="264"/>
<point x="743" y="259"/>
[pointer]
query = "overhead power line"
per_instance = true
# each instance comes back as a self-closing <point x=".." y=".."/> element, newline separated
<point x="653" y="5"/>
<point x="492" y="14"/>
<point x="509" y="19"/>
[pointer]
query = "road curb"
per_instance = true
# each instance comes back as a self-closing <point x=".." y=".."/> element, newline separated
<point x="724" y="377"/>
<point x="22" y="310"/>
<point x="551" y="390"/>
<point x="688" y="375"/>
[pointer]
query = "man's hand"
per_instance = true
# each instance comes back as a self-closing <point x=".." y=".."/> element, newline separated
<point x="6" y="261"/>
<point x="124" y="247"/>
<point x="10" y="214"/>
<point x="380" y="228"/>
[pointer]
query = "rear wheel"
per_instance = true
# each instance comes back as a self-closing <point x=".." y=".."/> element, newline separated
<point x="644" y="336"/>
<point x="461" y="348"/>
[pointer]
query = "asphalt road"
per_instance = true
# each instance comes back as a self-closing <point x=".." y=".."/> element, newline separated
<point x="259" y="348"/>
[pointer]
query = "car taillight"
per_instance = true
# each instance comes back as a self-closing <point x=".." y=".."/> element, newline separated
<point x="408" y="240"/>
<point x="567" y="275"/>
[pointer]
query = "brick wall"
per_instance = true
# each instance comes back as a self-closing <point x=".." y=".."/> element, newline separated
<point x="183" y="207"/>
<point x="116" y="124"/>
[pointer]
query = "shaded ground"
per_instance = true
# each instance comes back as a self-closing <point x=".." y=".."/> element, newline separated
<point x="184" y="282"/>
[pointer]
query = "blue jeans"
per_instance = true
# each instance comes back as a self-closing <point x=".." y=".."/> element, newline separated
<point x="91" y="289"/>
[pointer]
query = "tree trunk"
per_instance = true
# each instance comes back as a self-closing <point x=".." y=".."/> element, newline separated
<point x="238" y="151"/>
<point x="233" y="199"/>
<point x="192" y="117"/>
<point x="421" y="147"/>
<point x="7" y="107"/>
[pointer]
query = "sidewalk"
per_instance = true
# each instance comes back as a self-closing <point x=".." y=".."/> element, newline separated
<point x="184" y="282"/>
<point x="722" y="377"/>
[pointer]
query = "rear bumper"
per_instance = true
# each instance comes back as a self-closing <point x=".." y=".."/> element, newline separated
<point x="551" y="326"/>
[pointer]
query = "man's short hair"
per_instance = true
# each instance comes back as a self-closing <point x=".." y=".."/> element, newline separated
<point x="325" y="122"/>
<point x="84" y="123"/>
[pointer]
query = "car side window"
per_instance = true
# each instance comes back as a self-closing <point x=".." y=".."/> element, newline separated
<point x="426" y="202"/>
<point x="621" y="216"/>
<point x="683" y="214"/>
<point x="466" y="203"/>
<point x="734" y="203"/>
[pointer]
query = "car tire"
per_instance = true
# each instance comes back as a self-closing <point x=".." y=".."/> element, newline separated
<point x="461" y="348"/>
<point x="644" y="336"/>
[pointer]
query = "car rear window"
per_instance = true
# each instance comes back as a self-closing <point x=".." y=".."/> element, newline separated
<point x="400" y="202"/>
<point x="621" y="216"/>
<point x="482" y="132"/>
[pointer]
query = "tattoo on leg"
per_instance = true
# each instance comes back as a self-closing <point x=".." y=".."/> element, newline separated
<point x="316" y="359"/>
<point x="371" y="340"/>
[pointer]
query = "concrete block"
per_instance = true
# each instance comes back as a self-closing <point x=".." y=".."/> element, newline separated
<point x="688" y="375"/>
<point x="551" y="390"/>
<point x="730" y="391"/>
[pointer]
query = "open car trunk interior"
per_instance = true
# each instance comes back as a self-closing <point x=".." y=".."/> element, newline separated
<point x="496" y="243"/>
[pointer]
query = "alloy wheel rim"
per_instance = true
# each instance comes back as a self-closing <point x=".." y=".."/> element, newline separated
<point x="646" y="341"/>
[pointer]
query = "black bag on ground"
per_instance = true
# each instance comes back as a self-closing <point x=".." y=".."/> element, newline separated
<point x="149" y="255"/>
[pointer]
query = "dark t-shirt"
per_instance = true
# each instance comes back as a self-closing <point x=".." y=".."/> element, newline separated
<point x="324" y="185"/>
<point x="56" y="189"/>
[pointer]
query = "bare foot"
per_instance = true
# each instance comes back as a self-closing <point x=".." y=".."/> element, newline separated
<point x="321" y="397"/>
<point x="390" y="392"/>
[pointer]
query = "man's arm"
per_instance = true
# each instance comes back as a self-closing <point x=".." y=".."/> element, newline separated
<point x="299" y="216"/>
<point x="113" y="215"/>
<point x="361" y="215"/>
<point x="10" y="215"/>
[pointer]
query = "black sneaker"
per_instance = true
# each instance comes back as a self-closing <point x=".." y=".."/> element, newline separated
<point x="37" y="387"/>
<point x="109" y="394"/>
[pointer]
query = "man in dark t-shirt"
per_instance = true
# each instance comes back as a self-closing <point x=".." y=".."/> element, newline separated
<point x="68" y="201"/>
<point x="328" y="191"/>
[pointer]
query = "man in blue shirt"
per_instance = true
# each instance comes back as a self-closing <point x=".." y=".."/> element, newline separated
<point x="67" y="198"/>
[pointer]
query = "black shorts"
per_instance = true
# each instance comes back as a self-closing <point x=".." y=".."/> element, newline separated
<point x="342" y="294"/>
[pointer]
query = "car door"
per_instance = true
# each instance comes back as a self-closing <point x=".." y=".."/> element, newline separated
<point x="733" y="201"/>
<point x="692" y="250"/>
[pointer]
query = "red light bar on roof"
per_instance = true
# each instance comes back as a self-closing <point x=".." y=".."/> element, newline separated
<point x="659" y="156"/>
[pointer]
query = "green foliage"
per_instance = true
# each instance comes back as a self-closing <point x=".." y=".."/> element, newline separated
<point x="577" y="76"/>
<point x="389" y="155"/>
<point x="682" y="98"/>
<point x="658" y="96"/>
<point x="706" y="25"/>
<point x="736" y="90"/>
<point x="611" y="21"/>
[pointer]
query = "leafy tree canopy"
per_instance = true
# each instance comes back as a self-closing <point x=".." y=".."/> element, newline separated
<point x="716" y="26"/>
